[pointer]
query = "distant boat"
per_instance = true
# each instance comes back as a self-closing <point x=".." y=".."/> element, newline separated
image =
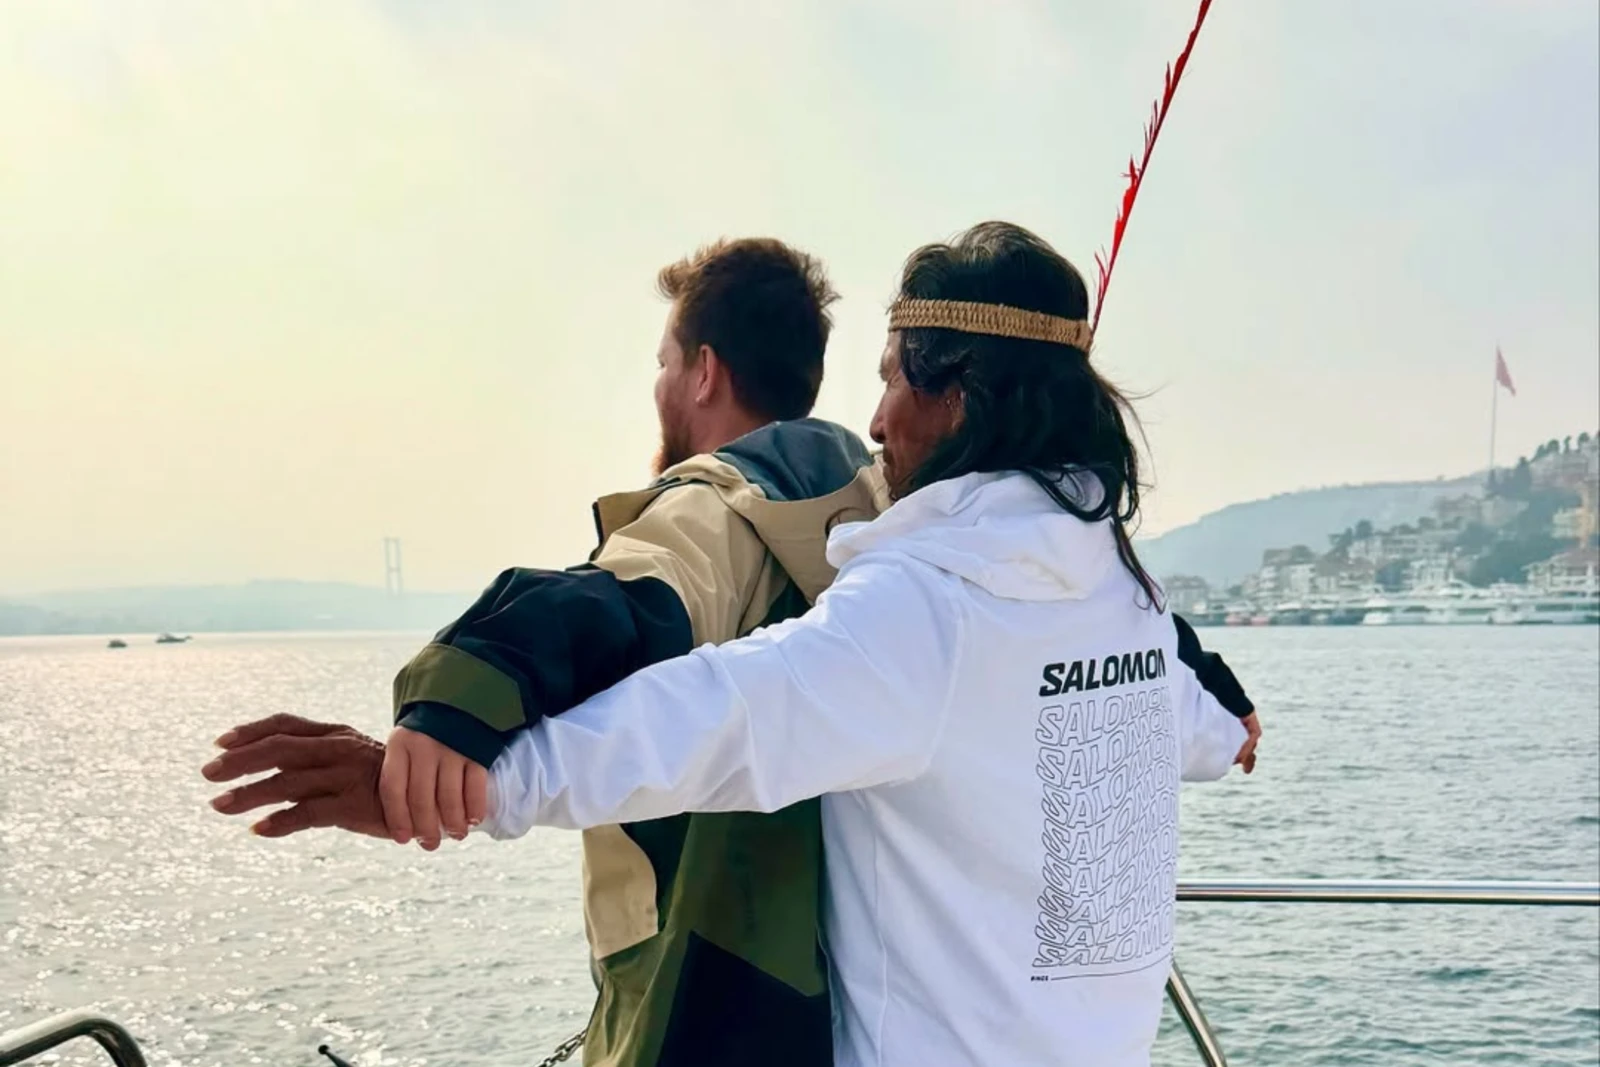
<point x="171" y="639"/>
<point x="116" y="642"/>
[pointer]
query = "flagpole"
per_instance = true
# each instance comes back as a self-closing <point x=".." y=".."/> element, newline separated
<point x="1494" y="410"/>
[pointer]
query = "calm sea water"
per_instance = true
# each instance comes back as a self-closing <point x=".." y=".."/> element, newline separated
<point x="1415" y="753"/>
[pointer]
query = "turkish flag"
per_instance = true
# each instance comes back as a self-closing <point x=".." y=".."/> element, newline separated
<point x="1501" y="374"/>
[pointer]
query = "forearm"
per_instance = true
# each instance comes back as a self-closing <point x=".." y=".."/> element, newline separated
<point x="674" y="738"/>
<point x="849" y="696"/>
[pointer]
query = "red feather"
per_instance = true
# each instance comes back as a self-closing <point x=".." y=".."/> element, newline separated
<point x="1105" y="264"/>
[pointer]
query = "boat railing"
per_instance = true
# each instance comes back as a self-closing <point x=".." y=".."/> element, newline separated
<point x="47" y="1034"/>
<point x="1331" y="891"/>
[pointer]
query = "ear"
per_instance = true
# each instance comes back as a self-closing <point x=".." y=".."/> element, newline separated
<point x="708" y="374"/>
<point x="955" y="405"/>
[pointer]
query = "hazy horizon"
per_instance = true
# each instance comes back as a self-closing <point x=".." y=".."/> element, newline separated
<point x="278" y="280"/>
<point x="376" y="580"/>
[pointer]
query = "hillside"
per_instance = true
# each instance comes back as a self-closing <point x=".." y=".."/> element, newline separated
<point x="250" y="607"/>
<point x="1226" y="545"/>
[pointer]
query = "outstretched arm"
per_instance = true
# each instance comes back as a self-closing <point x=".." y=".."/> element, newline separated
<point x="1213" y="674"/>
<point x="850" y="695"/>
<point x="1216" y="678"/>
<point x="537" y="642"/>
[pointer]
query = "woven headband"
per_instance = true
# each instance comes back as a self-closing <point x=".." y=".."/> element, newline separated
<point x="995" y="319"/>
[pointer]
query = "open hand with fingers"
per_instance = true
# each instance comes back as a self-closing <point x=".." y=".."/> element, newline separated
<point x="327" y="772"/>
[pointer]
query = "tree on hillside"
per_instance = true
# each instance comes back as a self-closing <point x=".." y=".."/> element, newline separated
<point x="1391" y="577"/>
<point x="1536" y="518"/>
<point x="1363" y="529"/>
<point x="1566" y="445"/>
<point x="1518" y="483"/>
<point x="1507" y="561"/>
<point x="1552" y="447"/>
<point x="1525" y="540"/>
<point x="1583" y="439"/>
<point x="1474" y="539"/>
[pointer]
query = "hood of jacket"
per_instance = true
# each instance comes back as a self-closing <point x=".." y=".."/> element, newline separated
<point x="792" y="481"/>
<point x="1002" y="532"/>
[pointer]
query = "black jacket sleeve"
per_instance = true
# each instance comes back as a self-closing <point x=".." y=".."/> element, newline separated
<point x="678" y="573"/>
<point x="1216" y="677"/>
<point x="535" y="643"/>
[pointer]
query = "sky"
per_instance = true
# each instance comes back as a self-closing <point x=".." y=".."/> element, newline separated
<point x="281" y="279"/>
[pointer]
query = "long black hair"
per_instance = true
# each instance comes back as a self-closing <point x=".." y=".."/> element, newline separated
<point x="1031" y="406"/>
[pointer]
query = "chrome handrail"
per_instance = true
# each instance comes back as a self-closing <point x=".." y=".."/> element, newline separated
<point x="1351" y="891"/>
<point x="1187" y="1006"/>
<point x="1390" y="891"/>
<point x="46" y="1034"/>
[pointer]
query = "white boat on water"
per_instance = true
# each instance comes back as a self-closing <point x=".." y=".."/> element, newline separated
<point x="1394" y="611"/>
<point x="1459" y="604"/>
<point x="1549" y="609"/>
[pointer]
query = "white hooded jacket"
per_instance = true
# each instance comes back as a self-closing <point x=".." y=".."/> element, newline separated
<point x="997" y="723"/>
